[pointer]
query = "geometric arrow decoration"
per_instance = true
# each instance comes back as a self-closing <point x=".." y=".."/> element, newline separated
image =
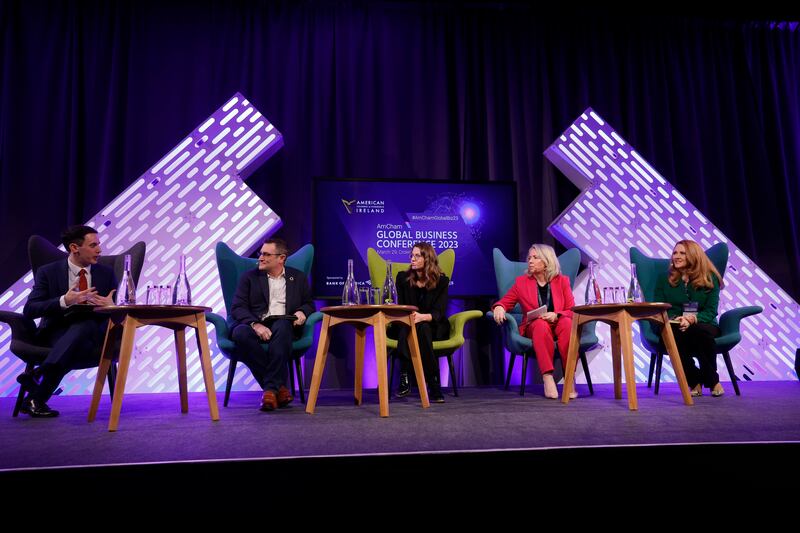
<point x="625" y="202"/>
<point x="185" y="203"/>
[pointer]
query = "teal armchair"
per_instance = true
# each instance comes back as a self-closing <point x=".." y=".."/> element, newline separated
<point x="231" y="266"/>
<point x="648" y="271"/>
<point x="443" y="348"/>
<point x="505" y="272"/>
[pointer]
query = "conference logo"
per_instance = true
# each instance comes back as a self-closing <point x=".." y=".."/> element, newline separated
<point x="363" y="206"/>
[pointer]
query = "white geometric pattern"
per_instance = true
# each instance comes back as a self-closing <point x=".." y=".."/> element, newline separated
<point x="624" y="203"/>
<point x="188" y="201"/>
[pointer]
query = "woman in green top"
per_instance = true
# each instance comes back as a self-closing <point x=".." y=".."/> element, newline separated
<point x="692" y="287"/>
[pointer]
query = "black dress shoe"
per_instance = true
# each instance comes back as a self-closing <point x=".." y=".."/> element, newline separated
<point x="37" y="409"/>
<point x="404" y="387"/>
<point x="436" y="395"/>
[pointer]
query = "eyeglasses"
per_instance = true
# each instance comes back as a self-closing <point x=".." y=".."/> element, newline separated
<point x="262" y="254"/>
<point x="416" y="256"/>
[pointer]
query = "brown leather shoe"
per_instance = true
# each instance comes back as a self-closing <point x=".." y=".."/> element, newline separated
<point x="284" y="397"/>
<point x="269" y="402"/>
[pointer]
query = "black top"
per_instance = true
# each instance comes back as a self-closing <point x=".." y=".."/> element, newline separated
<point x="545" y="298"/>
<point x="432" y="301"/>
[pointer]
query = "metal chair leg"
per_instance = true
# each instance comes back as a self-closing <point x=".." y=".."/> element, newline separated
<point x="452" y="373"/>
<point x="510" y="369"/>
<point x="659" y="361"/>
<point x="229" y="384"/>
<point x="652" y="368"/>
<point x="21" y="395"/>
<point x="291" y="377"/>
<point x="112" y="378"/>
<point x="585" y="365"/>
<point x="300" y="382"/>
<point x="524" y="375"/>
<point x="734" y="379"/>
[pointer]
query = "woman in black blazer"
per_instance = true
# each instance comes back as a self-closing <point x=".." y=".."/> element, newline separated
<point x="425" y="286"/>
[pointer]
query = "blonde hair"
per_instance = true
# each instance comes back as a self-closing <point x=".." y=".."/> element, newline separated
<point x="698" y="267"/>
<point x="552" y="268"/>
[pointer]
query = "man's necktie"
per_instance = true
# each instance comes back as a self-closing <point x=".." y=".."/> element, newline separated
<point x="83" y="284"/>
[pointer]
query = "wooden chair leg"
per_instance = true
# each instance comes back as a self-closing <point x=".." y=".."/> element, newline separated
<point x="729" y="365"/>
<point x="452" y="373"/>
<point x="300" y="383"/>
<point x="524" y="375"/>
<point x="229" y="384"/>
<point x="585" y="365"/>
<point x="659" y="361"/>
<point x="510" y="369"/>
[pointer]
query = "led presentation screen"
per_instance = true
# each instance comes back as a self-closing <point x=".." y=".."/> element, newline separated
<point x="471" y="218"/>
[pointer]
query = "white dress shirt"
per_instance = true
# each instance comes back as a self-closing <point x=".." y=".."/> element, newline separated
<point x="73" y="275"/>
<point x="277" y="294"/>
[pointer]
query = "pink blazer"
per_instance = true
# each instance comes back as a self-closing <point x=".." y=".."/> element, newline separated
<point x="525" y="292"/>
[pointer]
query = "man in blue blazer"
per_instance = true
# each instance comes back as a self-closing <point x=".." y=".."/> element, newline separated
<point x="76" y="337"/>
<point x="270" y="290"/>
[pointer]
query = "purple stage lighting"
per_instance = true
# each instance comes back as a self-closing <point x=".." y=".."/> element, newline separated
<point x="625" y="202"/>
<point x="188" y="201"/>
<point x="470" y="213"/>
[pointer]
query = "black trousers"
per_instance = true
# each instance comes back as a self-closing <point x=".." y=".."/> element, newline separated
<point x="269" y="368"/>
<point x="427" y="332"/>
<point x="74" y="346"/>
<point x="698" y="342"/>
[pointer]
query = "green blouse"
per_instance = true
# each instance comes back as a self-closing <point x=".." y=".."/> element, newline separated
<point x="707" y="299"/>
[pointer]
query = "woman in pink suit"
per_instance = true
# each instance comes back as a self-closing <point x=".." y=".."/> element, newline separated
<point x="543" y="284"/>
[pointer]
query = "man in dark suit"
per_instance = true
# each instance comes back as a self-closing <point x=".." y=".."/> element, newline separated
<point x="272" y="289"/>
<point x="75" y="337"/>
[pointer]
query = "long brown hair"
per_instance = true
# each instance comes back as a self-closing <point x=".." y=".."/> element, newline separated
<point x="430" y="273"/>
<point x="698" y="267"/>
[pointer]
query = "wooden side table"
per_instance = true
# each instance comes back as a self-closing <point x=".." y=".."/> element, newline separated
<point x="123" y="322"/>
<point x="361" y="317"/>
<point x="621" y="318"/>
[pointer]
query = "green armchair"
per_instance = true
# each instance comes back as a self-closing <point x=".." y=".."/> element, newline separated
<point x="443" y="348"/>
<point x="506" y="271"/>
<point x="231" y="266"/>
<point x="648" y="271"/>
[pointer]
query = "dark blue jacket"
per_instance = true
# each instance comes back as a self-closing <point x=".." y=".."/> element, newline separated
<point x="51" y="284"/>
<point x="252" y="296"/>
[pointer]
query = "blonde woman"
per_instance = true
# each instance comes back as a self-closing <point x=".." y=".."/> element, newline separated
<point x="692" y="287"/>
<point x="543" y="284"/>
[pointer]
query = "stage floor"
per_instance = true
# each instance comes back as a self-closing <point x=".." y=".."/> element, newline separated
<point x="152" y="429"/>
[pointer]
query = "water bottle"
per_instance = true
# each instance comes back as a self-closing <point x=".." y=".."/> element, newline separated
<point x="389" y="290"/>
<point x="593" y="295"/>
<point x="126" y="292"/>
<point x="634" y="289"/>
<point x="181" y="292"/>
<point x="350" y="292"/>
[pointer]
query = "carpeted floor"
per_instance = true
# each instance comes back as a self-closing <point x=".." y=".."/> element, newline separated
<point x="152" y="429"/>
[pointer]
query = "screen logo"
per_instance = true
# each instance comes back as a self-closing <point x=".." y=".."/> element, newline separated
<point x="363" y="206"/>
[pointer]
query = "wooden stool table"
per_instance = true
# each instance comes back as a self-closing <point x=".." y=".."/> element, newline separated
<point x="123" y="322"/>
<point x="621" y="318"/>
<point x="363" y="316"/>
